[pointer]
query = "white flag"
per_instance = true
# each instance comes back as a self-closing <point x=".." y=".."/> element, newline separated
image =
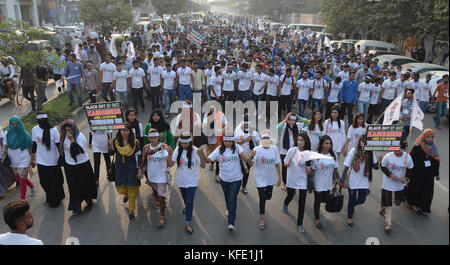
<point x="78" y="52"/>
<point x="392" y="112"/>
<point x="260" y="24"/>
<point x="417" y="116"/>
<point x="328" y="43"/>
<point x="112" y="48"/>
<point x="311" y="155"/>
<point x="179" y="24"/>
<point x="161" y="31"/>
<point x="131" y="53"/>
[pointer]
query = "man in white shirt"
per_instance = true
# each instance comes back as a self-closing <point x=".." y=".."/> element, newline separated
<point x="168" y="84"/>
<point x="344" y="75"/>
<point x="106" y="70"/>
<point x="245" y="80"/>
<point x="154" y="76"/>
<point x="183" y="81"/>
<point x="424" y="94"/>
<point x="388" y="91"/>
<point x="228" y="78"/>
<point x="137" y="81"/>
<point x="18" y="217"/>
<point x="120" y="84"/>
<point x="259" y="83"/>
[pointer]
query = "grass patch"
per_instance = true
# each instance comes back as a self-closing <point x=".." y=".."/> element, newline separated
<point x="57" y="111"/>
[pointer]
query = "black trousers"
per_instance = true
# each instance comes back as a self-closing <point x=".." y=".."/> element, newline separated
<point x="372" y="112"/>
<point x="138" y="94"/>
<point x="285" y="104"/>
<point x="265" y="194"/>
<point x="301" y="203"/>
<point x="106" y="91"/>
<point x="97" y="162"/>
<point x="28" y="93"/>
<point x="386" y="198"/>
<point x="349" y="108"/>
<point x="270" y="98"/>
<point x="283" y="169"/>
<point x="245" y="177"/>
<point x="155" y="94"/>
<point x="229" y="95"/>
<point x="319" y="197"/>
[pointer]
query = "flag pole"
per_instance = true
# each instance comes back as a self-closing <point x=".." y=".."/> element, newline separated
<point x="406" y="159"/>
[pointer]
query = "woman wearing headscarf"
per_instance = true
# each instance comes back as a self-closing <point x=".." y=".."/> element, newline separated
<point x="136" y="127"/>
<point x="127" y="154"/>
<point x="158" y="122"/>
<point x="425" y="155"/>
<point x="77" y="167"/>
<point x="45" y="150"/>
<point x="17" y="145"/>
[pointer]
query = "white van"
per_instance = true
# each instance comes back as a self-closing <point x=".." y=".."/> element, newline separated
<point x="367" y="45"/>
<point x="316" y="28"/>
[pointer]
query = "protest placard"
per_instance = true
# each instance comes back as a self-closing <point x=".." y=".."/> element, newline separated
<point x="105" y="116"/>
<point x="383" y="137"/>
<point x="195" y="37"/>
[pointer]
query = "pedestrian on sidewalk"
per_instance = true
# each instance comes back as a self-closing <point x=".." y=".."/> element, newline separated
<point x="335" y="128"/>
<point x="90" y="81"/>
<point x="137" y="80"/>
<point x="79" y="174"/>
<point x="42" y="79"/>
<point x="28" y="82"/>
<point x="297" y="176"/>
<point x="266" y="160"/>
<point x="441" y="101"/>
<point x="58" y="72"/>
<point x="188" y="158"/>
<point x="73" y="74"/>
<point x="349" y="97"/>
<point x="355" y="131"/>
<point x="17" y="144"/>
<point x="155" y="162"/>
<point x="45" y="153"/>
<point x="106" y="70"/>
<point x="19" y="218"/>
<point x="127" y="154"/>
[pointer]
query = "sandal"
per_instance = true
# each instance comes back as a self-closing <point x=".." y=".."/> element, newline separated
<point x="382" y="213"/>
<point x="162" y="221"/>
<point x="387" y="228"/>
<point x="318" y="225"/>
<point x="261" y="223"/>
<point x="189" y="229"/>
<point x="417" y="211"/>
<point x="349" y="223"/>
<point x="283" y="187"/>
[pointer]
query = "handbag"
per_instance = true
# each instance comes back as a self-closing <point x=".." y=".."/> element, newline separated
<point x="335" y="200"/>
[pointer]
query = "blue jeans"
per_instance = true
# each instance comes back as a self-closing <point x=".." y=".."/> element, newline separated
<point x="122" y="96"/>
<point x="231" y="190"/>
<point x="363" y="107"/>
<point x="355" y="197"/>
<point x="169" y="97"/>
<point x="243" y="96"/>
<point x="257" y="98"/>
<point x="302" y="106"/>
<point x="71" y="87"/>
<point x="188" y="195"/>
<point x="423" y="106"/>
<point x="317" y="103"/>
<point x="185" y="92"/>
<point x="441" y="111"/>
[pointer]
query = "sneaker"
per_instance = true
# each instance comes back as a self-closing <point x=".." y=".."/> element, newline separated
<point x="318" y="225"/>
<point x="231" y="228"/>
<point x="285" y="209"/>
<point x="261" y="224"/>
<point x="301" y="229"/>
<point x="32" y="192"/>
<point x="189" y="229"/>
<point x="162" y="222"/>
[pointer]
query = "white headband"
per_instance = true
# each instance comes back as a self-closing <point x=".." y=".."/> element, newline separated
<point x="228" y="138"/>
<point x="153" y="134"/>
<point x="265" y="135"/>
<point x="246" y="122"/>
<point x="185" y="141"/>
<point x="187" y="106"/>
<point x="292" y="117"/>
<point x="41" y="116"/>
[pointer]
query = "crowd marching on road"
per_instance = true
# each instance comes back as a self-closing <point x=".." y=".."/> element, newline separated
<point x="237" y="62"/>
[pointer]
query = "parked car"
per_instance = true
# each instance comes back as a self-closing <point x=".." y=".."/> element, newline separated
<point x="342" y="44"/>
<point x="420" y="68"/>
<point x="377" y="53"/>
<point x="436" y="78"/>
<point x="394" y="59"/>
<point x="39" y="45"/>
<point x="367" y="45"/>
<point x="351" y="40"/>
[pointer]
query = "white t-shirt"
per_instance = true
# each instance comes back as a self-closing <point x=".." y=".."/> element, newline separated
<point x="344" y="76"/>
<point x="318" y="88"/>
<point x="155" y="75"/>
<point x="334" y="92"/>
<point x="260" y="80"/>
<point x="395" y="165"/>
<point x="272" y="85"/>
<point x="18" y="239"/>
<point x="228" y="81"/>
<point x="213" y="139"/>
<point x="229" y="162"/>
<point x="169" y="79"/>
<point x="288" y="83"/>
<point x="364" y="89"/>
<point x="336" y="134"/>
<point x="157" y="165"/>
<point x="121" y="80"/>
<point x="44" y="156"/>
<point x="187" y="177"/>
<point x="401" y="86"/>
<point x="423" y="92"/>
<point x="240" y="135"/>
<point x="303" y="88"/>
<point x="323" y="175"/>
<point x="357" y="180"/>
<point x="376" y="89"/>
<point x="82" y="157"/>
<point x="208" y="73"/>
<point x="245" y="79"/>
<point x="19" y="158"/>
<point x="314" y="136"/>
<point x="389" y="89"/>
<point x="136" y="77"/>
<point x="265" y="160"/>
<point x="296" y="172"/>
<point x="107" y="72"/>
<point x="216" y="82"/>
<point x="416" y="86"/>
<point x="100" y="141"/>
<point x="185" y="76"/>
<point x="353" y="135"/>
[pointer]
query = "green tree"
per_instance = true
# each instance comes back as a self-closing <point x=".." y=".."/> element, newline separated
<point x="15" y="36"/>
<point x="170" y="7"/>
<point x="106" y="14"/>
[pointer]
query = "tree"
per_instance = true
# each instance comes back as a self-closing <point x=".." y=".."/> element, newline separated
<point x="15" y="36"/>
<point x="170" y="7"/>
<point x="106" y="14"/>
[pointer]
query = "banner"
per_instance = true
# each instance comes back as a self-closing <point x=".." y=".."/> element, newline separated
<point x="131" y="53"/>
<point x="283" y="45"/>
<point x="273" y="34"/>
<point x="327" y="42"/>
<point x="195" y="37"/>
<point x="260" y="25"/>
<point x="105" y="116"/>
<point x="417" y="116"/>
<point x="306" y="31"/>
<point x="383" y="137"/>
<point x="112" y="48"/>
<point x="311" y="155"/>
<point x="392" y="112"/>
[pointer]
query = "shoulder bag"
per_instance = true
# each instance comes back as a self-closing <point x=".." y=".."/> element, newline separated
<point x="335" y="200"/>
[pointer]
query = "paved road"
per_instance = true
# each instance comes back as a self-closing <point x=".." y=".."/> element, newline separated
<point x="108" y="223"/>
